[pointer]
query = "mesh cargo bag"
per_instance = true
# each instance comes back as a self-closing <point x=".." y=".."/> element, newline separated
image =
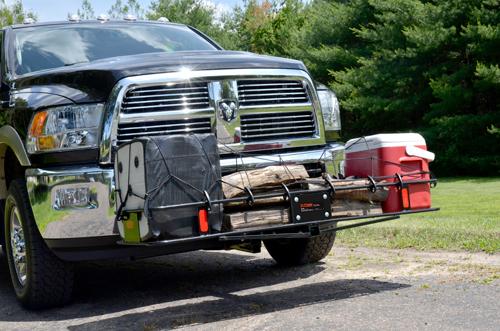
<point x="178" y="169"/>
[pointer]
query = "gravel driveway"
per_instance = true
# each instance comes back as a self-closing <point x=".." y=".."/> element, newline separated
<point x="353" y="289"/>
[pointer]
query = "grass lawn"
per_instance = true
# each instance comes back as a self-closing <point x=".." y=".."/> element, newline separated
<point x="469" y="219"/>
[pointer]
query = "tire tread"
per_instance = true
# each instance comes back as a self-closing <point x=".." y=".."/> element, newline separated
<point x="300" y="251"/>
<point x="50" y="280"/>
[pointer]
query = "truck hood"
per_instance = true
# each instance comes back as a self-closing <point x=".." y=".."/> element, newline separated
<point x="93" y="81"/>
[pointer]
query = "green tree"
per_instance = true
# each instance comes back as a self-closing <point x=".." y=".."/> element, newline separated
<point x="121" y="9"/>
<point x="195" y="13"/>
<point x="327" y="41"/>
<point x="86" y="12"/>
<point x="200" y="15"/>
<point x="269" y="27"/>
<point x="14" y="14"/>
<point x="428" y="66"/>
<point x="225" y="30"/>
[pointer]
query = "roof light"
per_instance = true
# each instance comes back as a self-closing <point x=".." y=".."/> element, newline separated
<point x="130" y="17"/>
<point x="163" y="20"/>
<point x="74" y="18"/>
<point x="103" y="18"/>
<point x="28" y="20"/>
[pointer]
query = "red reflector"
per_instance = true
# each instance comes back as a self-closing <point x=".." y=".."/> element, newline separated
<point x="405" y="195"/>
<point x="203" y="220"/>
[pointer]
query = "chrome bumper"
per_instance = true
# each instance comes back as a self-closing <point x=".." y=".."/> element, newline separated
<point x="96" y="218"/>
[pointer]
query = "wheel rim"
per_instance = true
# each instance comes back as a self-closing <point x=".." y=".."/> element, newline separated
<point x="18" y="245"/>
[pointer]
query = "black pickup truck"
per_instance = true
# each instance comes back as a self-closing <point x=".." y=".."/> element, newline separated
<point x="72" y="93"/>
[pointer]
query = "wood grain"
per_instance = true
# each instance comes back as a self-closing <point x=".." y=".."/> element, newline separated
<point x="257" y="178"/>
<point x="279" y="215"/>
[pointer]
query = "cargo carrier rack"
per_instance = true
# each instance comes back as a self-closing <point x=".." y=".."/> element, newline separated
<point x="306" y="222"/>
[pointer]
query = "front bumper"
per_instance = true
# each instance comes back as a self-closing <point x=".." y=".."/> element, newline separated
<point x="96" y="217"/>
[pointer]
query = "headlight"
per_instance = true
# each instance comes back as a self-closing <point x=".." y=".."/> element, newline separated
<point x="329" y="108"/>
<point x="65" y="128"/>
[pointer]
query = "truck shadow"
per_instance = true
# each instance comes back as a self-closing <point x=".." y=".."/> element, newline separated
<point x="186" y="289"/>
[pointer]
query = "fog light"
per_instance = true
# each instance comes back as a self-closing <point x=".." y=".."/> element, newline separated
<point x="74" y="197"/>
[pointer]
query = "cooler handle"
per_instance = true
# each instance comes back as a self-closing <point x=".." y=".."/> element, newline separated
<point x="416" y="151"/>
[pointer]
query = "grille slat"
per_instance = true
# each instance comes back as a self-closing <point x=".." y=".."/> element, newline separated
<point x="285" y="116"/>
<point x="249" y="125"/>
<point x="275" y="94"/>
<point x="288" y="128"/>
<point x="163" y="132"/>
<point x="280" y="83"/>
<point x="268" y="92"/>
<point x="286" y="125"/>
<point x="183" y="101"/>
<point x="282" y="99"/>
<point x="291" y="90"/>
<point x="149" y="126"/>
<point x="163" y="107"/>
<point x="274" y="135"/>
<point x="180" y="96"/>
<point x="155" y="89"/>
<point x="166" y="95"/>
<point x="129" y="131"/>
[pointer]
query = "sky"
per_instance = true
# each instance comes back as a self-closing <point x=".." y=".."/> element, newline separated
<point x="55" y="10"/>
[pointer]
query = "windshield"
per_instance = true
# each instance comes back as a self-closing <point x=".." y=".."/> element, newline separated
<point x="47" y="47"/>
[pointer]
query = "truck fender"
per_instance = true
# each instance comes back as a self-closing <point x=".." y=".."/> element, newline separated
<point x="9" y="138"/>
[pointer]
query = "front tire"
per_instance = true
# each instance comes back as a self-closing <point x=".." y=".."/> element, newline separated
<point x="2" y="235"/>
<point x="40" y="279"/>
<point x="292" y="252"/>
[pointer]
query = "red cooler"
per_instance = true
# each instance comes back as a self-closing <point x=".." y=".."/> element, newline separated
<point x="389" y="154"/>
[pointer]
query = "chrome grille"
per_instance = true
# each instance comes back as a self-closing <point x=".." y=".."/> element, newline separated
<point x="166" y="97"/>
<point x="278" y="125"/>
<point x="271" y="92"/>
<point x="129" y="131"/>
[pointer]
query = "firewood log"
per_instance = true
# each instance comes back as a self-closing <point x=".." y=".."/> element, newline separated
<point x="358" y="194"/>
<point x="260" y="217"/>
<point x="279" y="215"/>
<point x="268" y="176"/>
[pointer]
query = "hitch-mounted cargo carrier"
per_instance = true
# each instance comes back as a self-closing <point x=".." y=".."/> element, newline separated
<point x="170" y="190"/>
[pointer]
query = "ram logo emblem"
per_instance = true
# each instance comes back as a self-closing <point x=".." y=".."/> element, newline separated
<point x="228" y="109"/>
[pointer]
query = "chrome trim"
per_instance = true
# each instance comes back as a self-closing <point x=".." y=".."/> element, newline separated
<point x="95" y="220"/>
<point x="165" y="115"/>
<point x="140" y="98"/>
<point x="254" y="127"/>
<point x="292" y="91"/>
<point x="100" y="221"/>
<point x="332" y="155"/>
<point x="18" y="246"/>
<point x="270" y="84"/>
<point x="155" y="106"/>
<point x="112" y="110"/>
<point x="129" y="131"/>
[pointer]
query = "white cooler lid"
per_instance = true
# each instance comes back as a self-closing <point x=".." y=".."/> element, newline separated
<point x="384" y="140"/>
